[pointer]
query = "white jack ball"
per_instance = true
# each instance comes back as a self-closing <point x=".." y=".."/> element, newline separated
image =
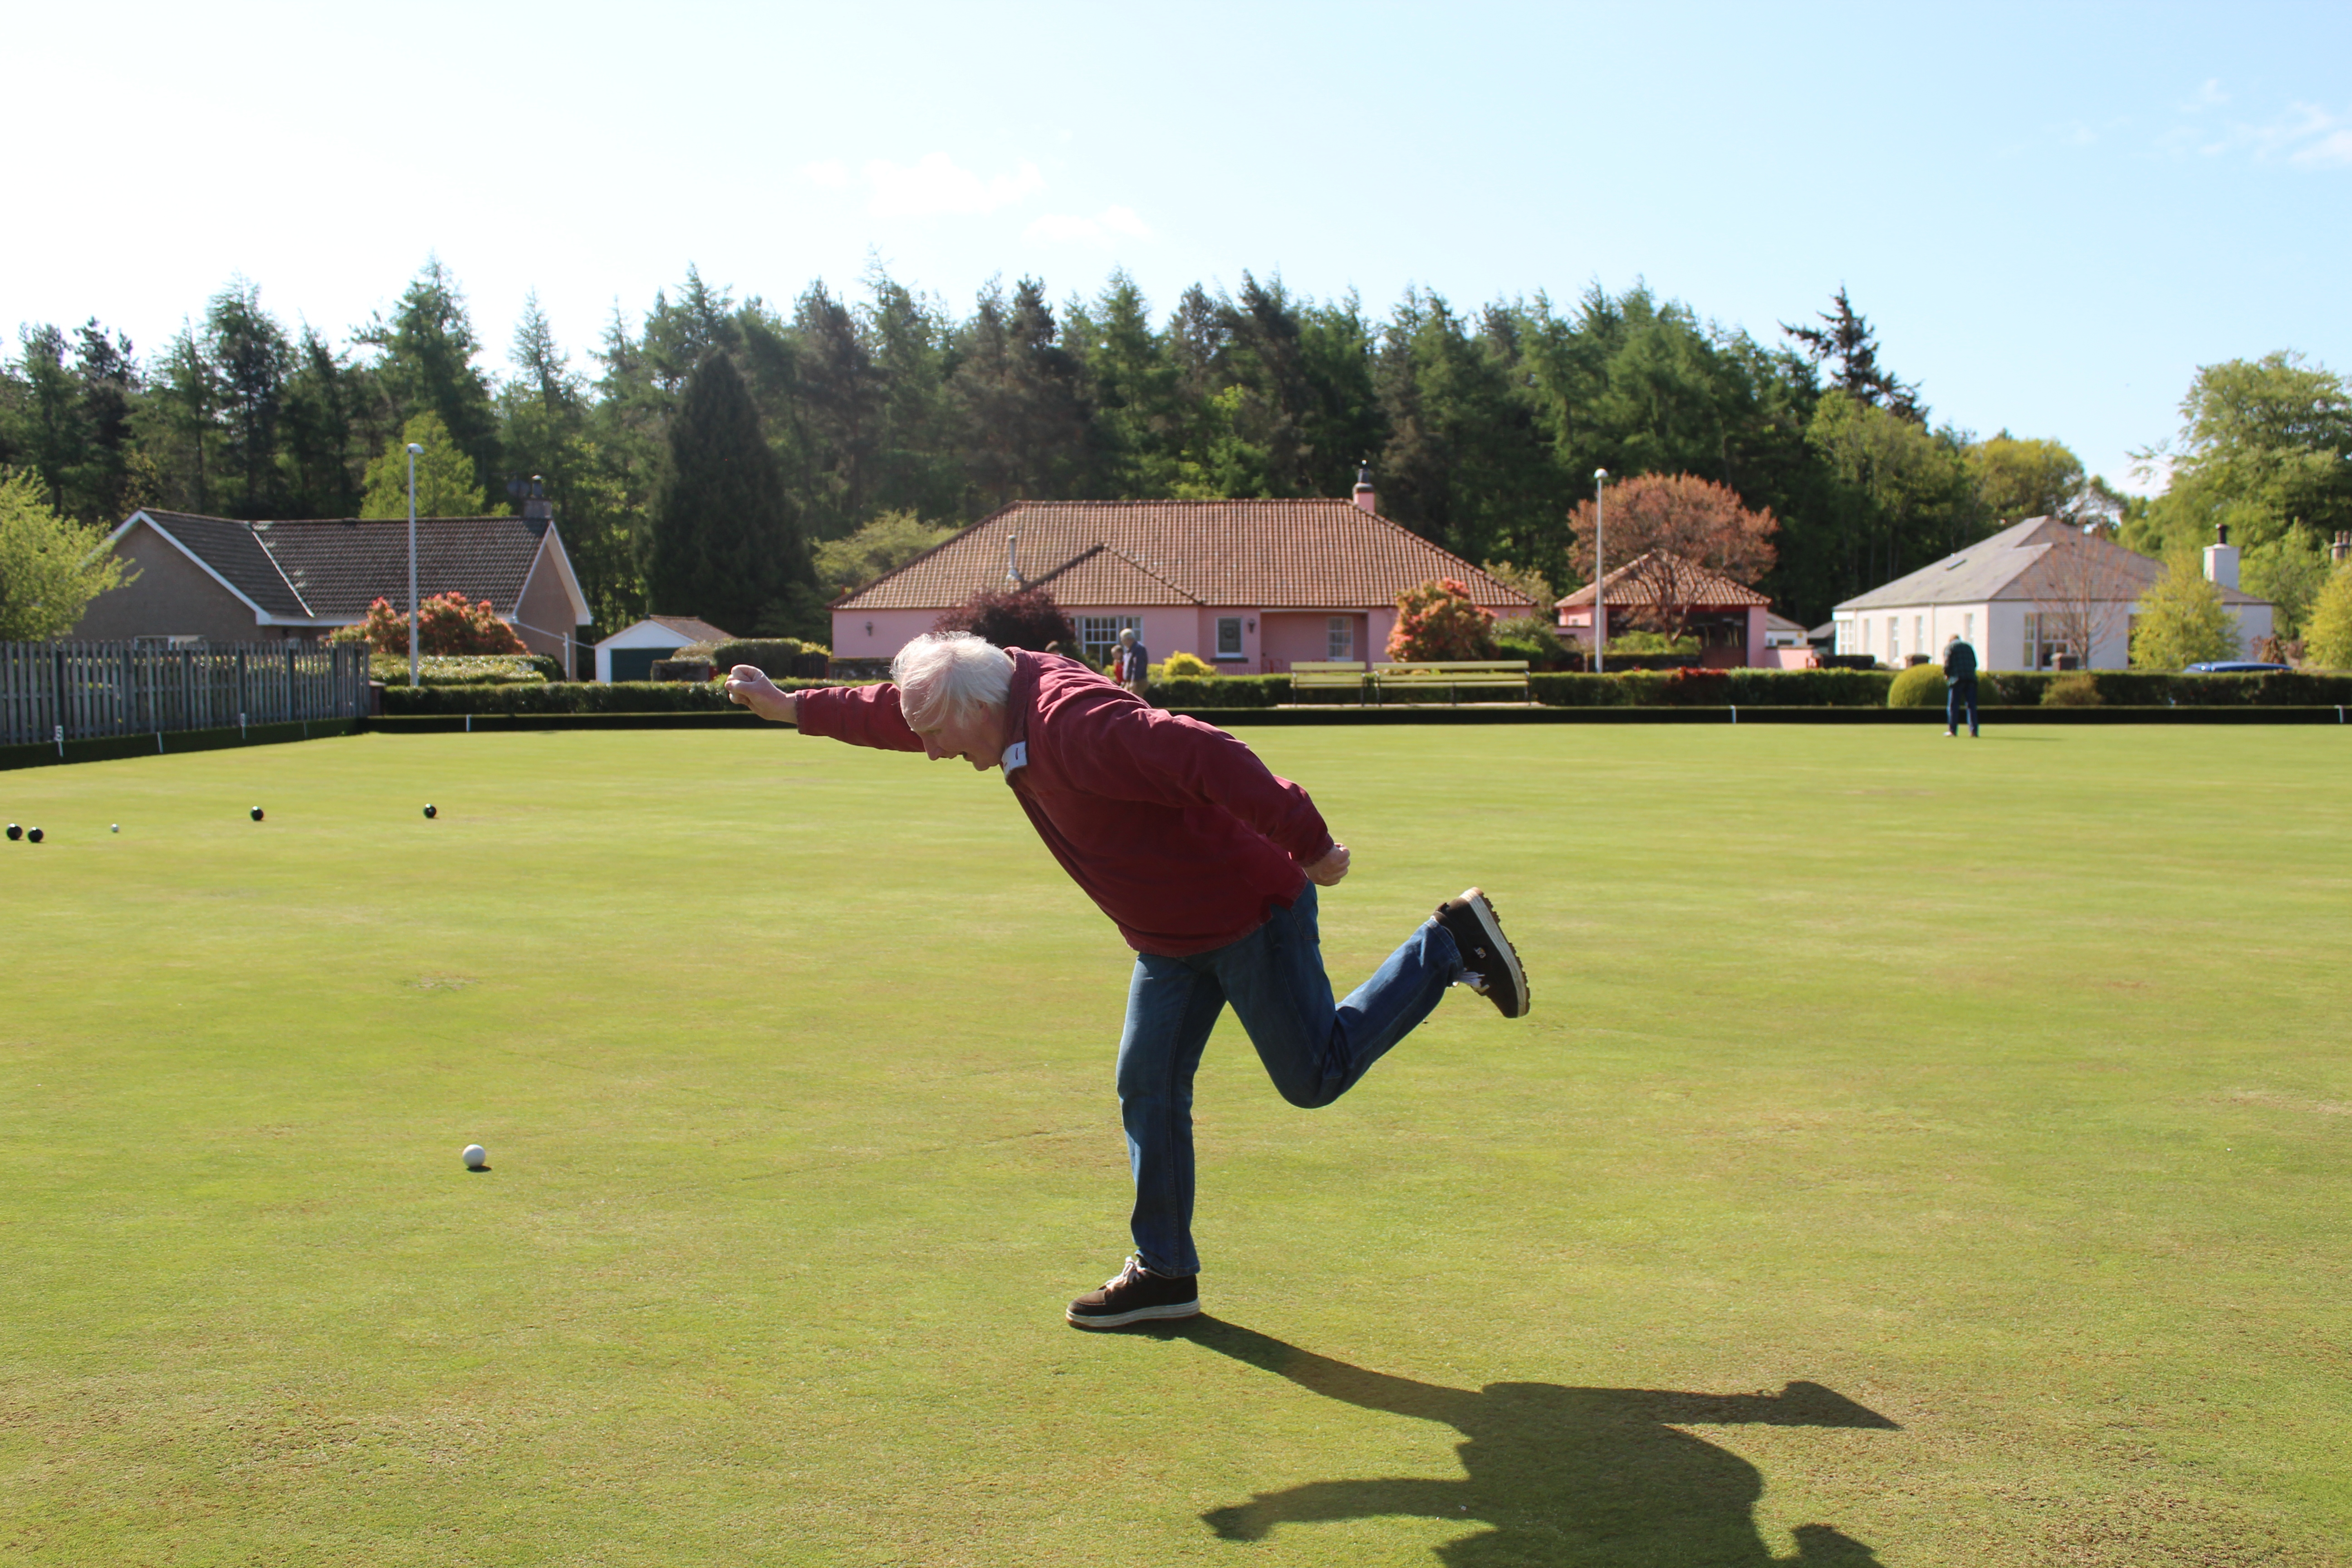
<point x="476" y="1157"/>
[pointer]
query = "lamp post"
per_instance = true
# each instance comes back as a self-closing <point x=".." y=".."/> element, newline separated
<point x="414" y="452"/>
<point x="1599" y="570"/>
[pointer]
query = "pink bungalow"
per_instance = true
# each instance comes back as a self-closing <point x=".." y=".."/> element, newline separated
<point x="1247" y="585"/>
<point x="1730" y="620"/>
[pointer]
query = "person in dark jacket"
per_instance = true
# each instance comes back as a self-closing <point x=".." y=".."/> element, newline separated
<point x="1208" y="865"/>
<point x="1960" y="685"/>
<point x="1131" y="662"/>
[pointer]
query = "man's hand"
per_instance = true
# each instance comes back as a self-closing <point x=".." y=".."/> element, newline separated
<point x="1330" y="869"/>
<point x="749" y="685"/>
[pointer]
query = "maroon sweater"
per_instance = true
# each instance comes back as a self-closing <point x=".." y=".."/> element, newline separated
<point x="1175" y="828"/>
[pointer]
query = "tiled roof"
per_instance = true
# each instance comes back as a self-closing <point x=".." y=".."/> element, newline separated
<point x="1260" y="554"/>
<point x="229" y="548"/>
<point x="691" y="630"/>
<point x="332" y="569"/>
<point x="1686" y="584"/>
<point x="2017" y="563"/>
<point x="340" y="567"/>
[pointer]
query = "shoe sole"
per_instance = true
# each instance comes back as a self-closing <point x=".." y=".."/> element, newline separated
<point x="1487" y="922"/>
<point x="1190" y="1309"/>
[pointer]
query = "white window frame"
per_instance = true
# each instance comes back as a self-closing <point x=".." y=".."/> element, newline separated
<point x="1099" y="634"/>
<point x="1234" y="624"/>
<point x="1339" y="638"/>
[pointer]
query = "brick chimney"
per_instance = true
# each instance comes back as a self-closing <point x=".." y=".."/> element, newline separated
<point x="529" y="496"/>
<point x="1364" y="496"/>
<point x="2221" y="560"/>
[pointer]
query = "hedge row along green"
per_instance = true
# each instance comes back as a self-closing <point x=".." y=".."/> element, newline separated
<point x="1638" y="688"/>
<point x="466" y="669"/>
<point x="572" y="697"/>
<point x="2142" y="689"/>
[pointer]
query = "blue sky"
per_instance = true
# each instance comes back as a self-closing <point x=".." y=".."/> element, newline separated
<point x="2053" y="213"/>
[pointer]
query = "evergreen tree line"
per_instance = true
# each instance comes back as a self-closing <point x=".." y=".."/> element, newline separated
<point x="722" y="443"/>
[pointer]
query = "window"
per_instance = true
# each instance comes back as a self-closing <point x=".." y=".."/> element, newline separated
<point x="1340" y="639"/>
<point x="1968" y="629"/>
<point x="1918" y="633"/>
<point x="1097" y="634"/>
<point x="1229" y="637"/>
<point x="1895" y="639"/>
<point x="2032" y="640"/>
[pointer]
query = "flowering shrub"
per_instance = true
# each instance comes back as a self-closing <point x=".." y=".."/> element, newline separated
<point x="446" y="624"/>
<point x="1185" y="667"/>
<point x="1437" y="621"/>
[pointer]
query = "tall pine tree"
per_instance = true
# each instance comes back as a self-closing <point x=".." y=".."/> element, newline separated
<point x="727" y="542"/>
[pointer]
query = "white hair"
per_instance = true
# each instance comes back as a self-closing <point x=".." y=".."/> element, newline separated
<point x="948" y="674"/>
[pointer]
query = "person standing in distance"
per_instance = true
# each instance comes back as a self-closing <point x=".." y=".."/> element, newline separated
<point x="1208" y="865"/>
<point x="1960" y="685"/>
<point x="1131" y="662"/>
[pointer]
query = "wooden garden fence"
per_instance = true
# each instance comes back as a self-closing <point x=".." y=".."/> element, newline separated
<point x="74" y="691"/>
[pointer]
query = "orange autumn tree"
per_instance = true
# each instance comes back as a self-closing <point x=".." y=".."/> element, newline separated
<point x="1655" y="522"/>
<point x="1437" y="620"/>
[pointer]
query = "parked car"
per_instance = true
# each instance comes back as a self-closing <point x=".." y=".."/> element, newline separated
<point x="2235" y="666"/>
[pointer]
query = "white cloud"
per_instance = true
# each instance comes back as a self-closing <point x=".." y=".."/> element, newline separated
<point x="2208" y="96"/>
<point x="935" y="184"/>
<point x="2331" y="151"/>
<point x="1070" y="228"/>
<point x="2303" y="134"/>
<point x="832" y="174"/>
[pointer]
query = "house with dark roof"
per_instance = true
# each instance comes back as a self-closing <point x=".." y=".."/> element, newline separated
<point x="2036" y="594"/>
<point x="1247" y="585"/>
<point x="215" y="579"/>
<point x="1731" y="621"/>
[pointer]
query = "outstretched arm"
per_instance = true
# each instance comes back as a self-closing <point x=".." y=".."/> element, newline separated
<point x="861" y="715"/>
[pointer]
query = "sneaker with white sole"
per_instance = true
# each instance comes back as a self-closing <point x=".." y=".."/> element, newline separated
<point x="1136" y="1295"/>
<point x="1490" y="964"/>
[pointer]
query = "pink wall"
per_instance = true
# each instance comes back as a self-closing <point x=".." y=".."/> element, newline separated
<point x="1291" y="635"/>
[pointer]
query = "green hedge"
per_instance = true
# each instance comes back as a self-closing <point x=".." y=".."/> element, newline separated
<point x="781" y="657"/>
<point x="1637" y="689"/>
<point x="574" y="697"/>
<point x="1728" y="688"/>
<point x="465" y="669"/>
<point x="1921" y="686"/>
<point x="2159" y="689"/>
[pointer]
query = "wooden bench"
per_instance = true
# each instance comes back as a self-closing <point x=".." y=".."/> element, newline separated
<point x="1328" y="674"/>
<point x="1453" y="675"/>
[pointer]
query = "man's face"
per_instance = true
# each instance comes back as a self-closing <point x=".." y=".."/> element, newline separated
<point x="978" y="737"/>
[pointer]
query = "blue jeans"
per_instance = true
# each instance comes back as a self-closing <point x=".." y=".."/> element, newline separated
<point x="1314" y="1050"/>
<point x="1960" y="696"/>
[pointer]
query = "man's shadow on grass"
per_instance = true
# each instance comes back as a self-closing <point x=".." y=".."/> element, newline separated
<point x="1564" y="1477"/>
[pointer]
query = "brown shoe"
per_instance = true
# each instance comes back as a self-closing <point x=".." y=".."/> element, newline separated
<point x="1490" y="964"/>
<point x="1136" y="1295"/>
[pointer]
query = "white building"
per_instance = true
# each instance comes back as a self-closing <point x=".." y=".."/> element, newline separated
<point x="2028" y="596"/>
<point x="629" y="653"/>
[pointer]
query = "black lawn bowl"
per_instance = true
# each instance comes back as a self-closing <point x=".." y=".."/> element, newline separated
<point x="15" y="833"/>
<point x="257" y="814"/>
<point x="34" y="834"/>
<point x="432" y="811"/>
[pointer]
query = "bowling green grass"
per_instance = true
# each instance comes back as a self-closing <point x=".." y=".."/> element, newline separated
<point x="1921" y="1153"/>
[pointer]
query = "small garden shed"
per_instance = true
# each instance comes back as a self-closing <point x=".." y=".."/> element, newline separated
<point x="629" y="653"/>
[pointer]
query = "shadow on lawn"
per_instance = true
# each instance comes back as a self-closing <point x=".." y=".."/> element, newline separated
<point x="1562" y="1477"/>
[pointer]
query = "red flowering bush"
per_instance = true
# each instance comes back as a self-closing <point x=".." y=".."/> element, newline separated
<point x="446" y="624"/>
<point x="1437" y="620"/>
